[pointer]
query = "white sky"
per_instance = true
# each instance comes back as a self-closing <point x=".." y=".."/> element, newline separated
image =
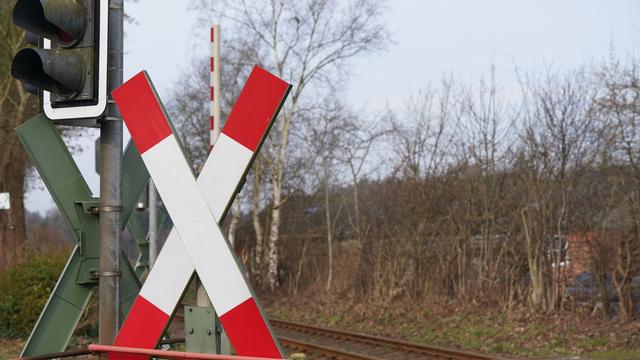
<point x="460" y="37"/>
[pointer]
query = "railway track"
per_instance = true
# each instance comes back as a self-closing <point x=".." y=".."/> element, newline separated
<point x="337" y="344"/>
<point x="324" y="343"/>
<point x="327" y="343"/>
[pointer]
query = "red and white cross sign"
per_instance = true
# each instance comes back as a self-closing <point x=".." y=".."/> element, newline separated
<point x="196" y="241"/>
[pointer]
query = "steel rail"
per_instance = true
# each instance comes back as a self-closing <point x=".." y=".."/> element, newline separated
<point x="325" y="350"/>
<point x="377" y="341"/>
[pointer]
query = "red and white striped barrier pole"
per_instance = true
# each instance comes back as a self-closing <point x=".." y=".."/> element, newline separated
<point x="198" y="241"/>
<point x="164" y="354"/>
<point x="214" y="86"/>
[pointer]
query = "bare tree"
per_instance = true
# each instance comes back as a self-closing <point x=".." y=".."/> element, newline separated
<point x="484" y="130"/>
<point x="322" y="143"/>
<point x="418" y="135"/>
<point x="15" y="107"/>
<point x="308" y="43"/>
<point x="620" y="105"/>
<point x="358" y="140"/>
<point x="560" y="136"/>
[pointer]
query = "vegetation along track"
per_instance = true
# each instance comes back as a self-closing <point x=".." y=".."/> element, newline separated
<point x="354" y="346"/>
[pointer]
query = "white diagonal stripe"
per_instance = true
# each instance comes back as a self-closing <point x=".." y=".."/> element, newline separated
<point x="170" y="275"/>
<point x="222" y="172"/>
<point x="217" y="182"/>
<point x="194" y="222"/>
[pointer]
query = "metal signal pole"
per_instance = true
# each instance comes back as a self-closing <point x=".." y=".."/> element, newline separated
<point x="111" y="185"/>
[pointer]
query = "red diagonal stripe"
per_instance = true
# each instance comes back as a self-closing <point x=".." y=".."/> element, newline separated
<point x="259" y="100"/>
<point x="248" y="331"/>
<point x="137" y="102"/>
<point x="145" y="325"/>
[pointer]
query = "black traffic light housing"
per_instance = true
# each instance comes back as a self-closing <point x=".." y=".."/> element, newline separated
<point x="69" y="65"/>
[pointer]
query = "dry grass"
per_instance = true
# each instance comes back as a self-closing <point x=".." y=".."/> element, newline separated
<point x="477" y="327"/>
<point x="10" y="348"/>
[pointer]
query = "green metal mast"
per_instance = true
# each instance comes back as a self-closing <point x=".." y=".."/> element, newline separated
<point x="72" y="195"/>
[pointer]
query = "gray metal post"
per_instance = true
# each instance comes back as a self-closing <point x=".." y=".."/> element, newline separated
<point x="111" y="185"/>
<point x="153" y="224"/>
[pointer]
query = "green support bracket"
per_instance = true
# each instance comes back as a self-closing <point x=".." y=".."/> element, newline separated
<point x="203" y="332"/>
<point x="142" y="240"/>
<point x="139" y="235"/>
<point x="72" y="195"/>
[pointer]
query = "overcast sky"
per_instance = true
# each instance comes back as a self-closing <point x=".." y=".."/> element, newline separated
<point x="459" y="37"/>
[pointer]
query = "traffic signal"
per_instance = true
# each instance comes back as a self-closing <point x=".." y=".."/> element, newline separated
<point x="69" y="64"/>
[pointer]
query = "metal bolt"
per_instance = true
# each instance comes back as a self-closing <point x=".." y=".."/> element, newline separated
<point x="191" y="331"/>
<point x="209" y="332"/>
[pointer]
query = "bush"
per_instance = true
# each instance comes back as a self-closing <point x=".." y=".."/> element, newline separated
<point x="24" y="289"/>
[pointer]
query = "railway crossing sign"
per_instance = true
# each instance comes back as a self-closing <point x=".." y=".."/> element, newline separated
<point x="196" y="208"/>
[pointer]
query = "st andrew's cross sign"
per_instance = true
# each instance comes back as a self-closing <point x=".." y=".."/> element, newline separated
<point x="196" y="242"/>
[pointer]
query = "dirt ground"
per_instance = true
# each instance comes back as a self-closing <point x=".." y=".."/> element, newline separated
<point x="516" y="333"/>
<point x="477" y="327"/>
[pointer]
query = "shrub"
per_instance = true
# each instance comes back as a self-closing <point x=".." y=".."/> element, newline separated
<point x="24" y="289"/>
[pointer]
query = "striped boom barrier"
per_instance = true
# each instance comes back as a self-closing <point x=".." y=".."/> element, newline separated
<point x="214" y="85"/>
<point x="196" y="241"/>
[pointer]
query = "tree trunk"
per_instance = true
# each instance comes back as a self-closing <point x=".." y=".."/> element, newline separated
<point x="13" y="236"/>
<point x="621" y="278"/>
<point x="301" y="261"/>
<point x="356" y="206"/>
<point x="277" y="175"/>
<point x="537" y="280"/>
<point x="255" y="217"/>
<point x="364" y="282"/>
<point x="15" y="105"/>
<point x="274" y="234"/>
<point x="327" y="213"/>
<point x="235" y="219"/>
